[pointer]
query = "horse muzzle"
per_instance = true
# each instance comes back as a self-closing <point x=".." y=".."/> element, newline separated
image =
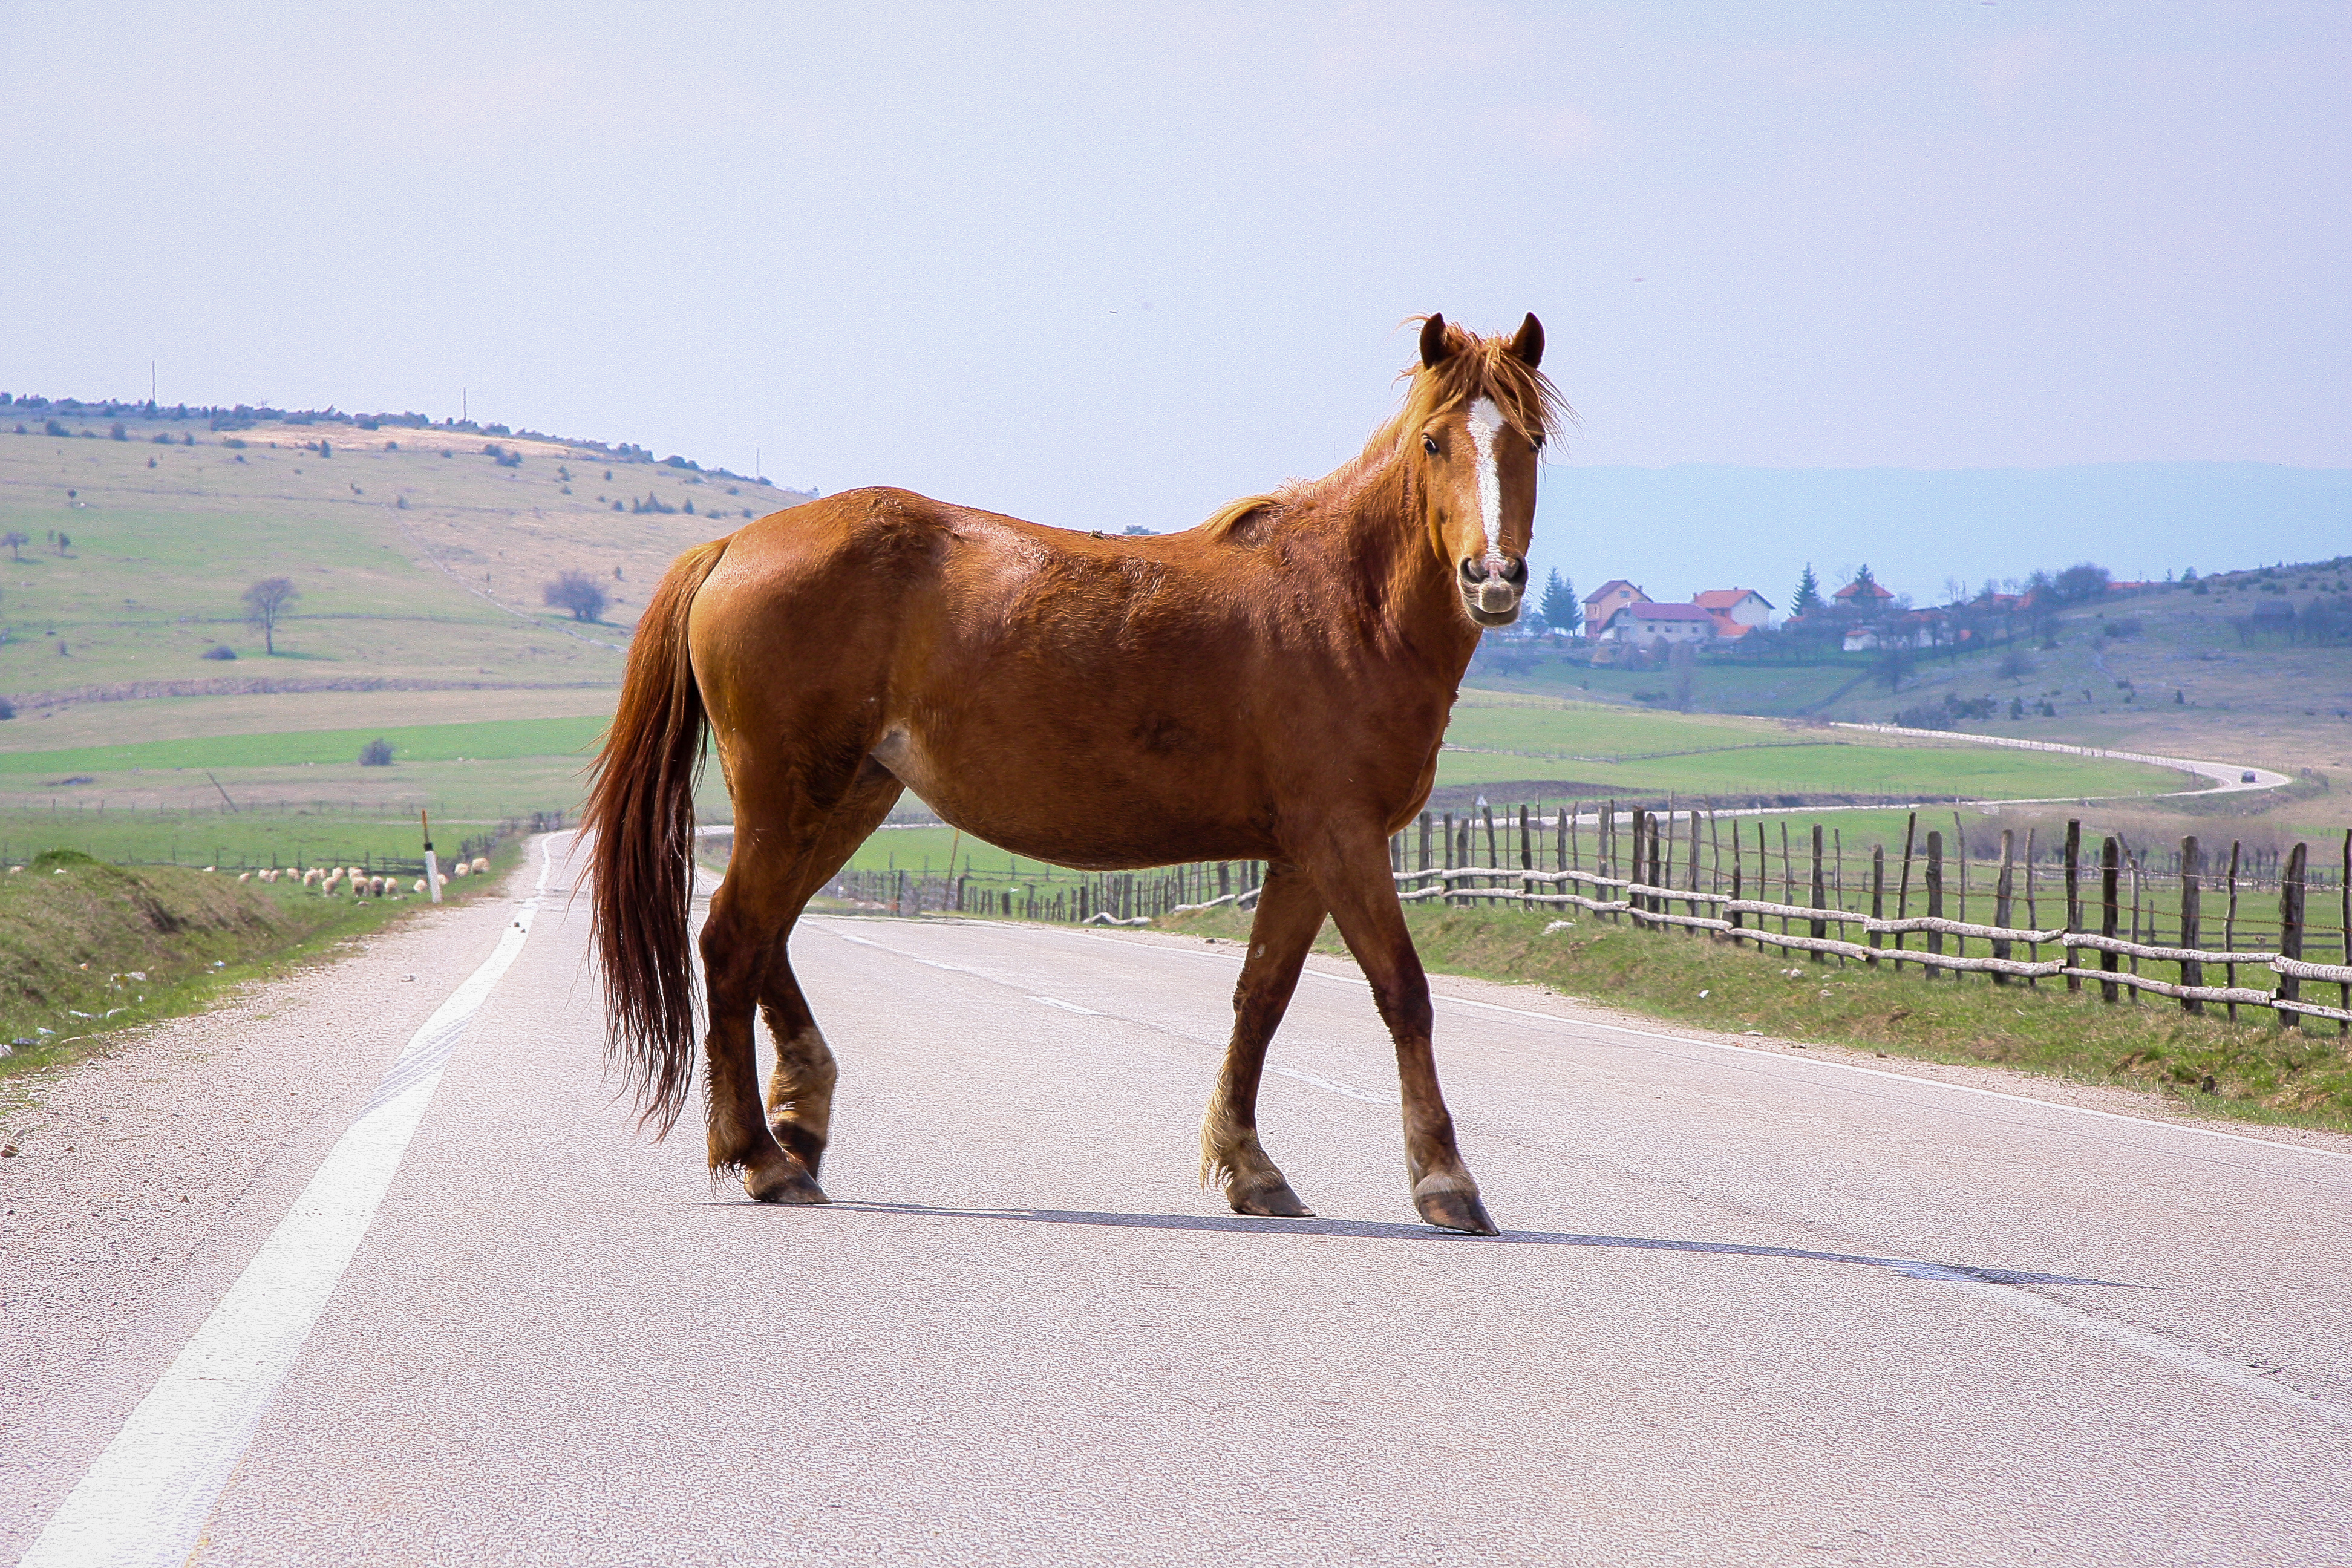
<point x="1492" y="595"/>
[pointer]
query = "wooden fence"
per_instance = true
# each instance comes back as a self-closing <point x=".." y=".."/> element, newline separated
<point x="2123" y="918"/>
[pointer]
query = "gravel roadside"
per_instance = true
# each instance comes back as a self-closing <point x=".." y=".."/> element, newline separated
<point x="186" y="1138"/>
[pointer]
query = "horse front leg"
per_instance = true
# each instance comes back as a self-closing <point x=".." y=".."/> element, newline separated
<point x="1290" y="913"/>
<point x="1362" y="896"/>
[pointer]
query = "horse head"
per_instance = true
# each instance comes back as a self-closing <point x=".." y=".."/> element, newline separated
<point x="1474" y="428"/>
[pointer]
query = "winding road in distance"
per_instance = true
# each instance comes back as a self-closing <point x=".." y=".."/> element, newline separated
<point x="1753" y="1305"/>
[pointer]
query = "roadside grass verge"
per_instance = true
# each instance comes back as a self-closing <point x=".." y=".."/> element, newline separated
<point x="2251" y="1070"/>
<point x="87" y="949"/>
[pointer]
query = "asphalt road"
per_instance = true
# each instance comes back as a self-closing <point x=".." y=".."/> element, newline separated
<point x="1750" y="1306"/>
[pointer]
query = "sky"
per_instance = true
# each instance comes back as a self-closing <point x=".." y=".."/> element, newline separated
<point x="1102" y="265"/>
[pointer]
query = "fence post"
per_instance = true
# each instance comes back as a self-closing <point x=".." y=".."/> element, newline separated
<point x="2074" y="895"/>
<point x="1690" y="879"/>
<point x="1425" y="841"/>
<point x="2109" y="864"/>
<point x="1656" y="905"/>
<point x="1935" y="899"/>
<point x="1877" y="899"/>
<point x="2192" y="864"/>
<point x="2005" y="889"/>
<point x="2344" y="933"/>
<point x="1819" y="929"/>
<point x="1902" y="889"/>
<point x="1638" y="826"/>
<point x="1446" y="898"/>
<point x="2290" y="989"/>
<point x="2230" y="929"/>
<point x="1527" y="857"/>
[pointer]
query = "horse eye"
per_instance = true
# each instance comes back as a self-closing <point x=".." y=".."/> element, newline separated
<point x="1536" y="441"/>
<point x="1429" y="443"/>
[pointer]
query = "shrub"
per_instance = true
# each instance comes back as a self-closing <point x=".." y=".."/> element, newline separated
<point x="376" y="753"/>
<point x="7" y="709"/>
<point x="118" y="431"/>
<point x="578" y="593"/>
<point x="218" y="650"/>
<point x="54" y="427"/>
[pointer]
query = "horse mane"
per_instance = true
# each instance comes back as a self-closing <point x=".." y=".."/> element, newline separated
<point x="1474" y="367"/>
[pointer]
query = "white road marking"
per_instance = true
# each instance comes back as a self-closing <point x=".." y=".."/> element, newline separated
<point x="2128" y="1336"/>
<point x="1367" y="1095"/>
<point x="147" y="1496"/>
<point x="1053" y="1002"/>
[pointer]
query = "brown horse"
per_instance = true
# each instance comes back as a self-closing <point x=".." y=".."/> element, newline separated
<point x="1272" y="685"/>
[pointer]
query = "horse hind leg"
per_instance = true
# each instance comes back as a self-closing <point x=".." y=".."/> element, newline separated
<point x="1289" y="913"/>
<point x="800" y="1091"/>
<point x="741" y="942"/>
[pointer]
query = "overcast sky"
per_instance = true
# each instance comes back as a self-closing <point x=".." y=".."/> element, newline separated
<point x="1099" y="265"/>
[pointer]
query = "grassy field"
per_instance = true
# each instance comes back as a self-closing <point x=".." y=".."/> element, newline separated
<point x="412" y="564"/>
<point x="1501" y="736"/>
<point x="2248" y="1070"/>
<point x="498" y="740"/>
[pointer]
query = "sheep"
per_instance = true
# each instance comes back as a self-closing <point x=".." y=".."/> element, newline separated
<point x="241" y="876"/>
<point x="420" y="886"/>
<point x="326" y="885"/>
<point x="481" y="864"/>
<point x="311" y="878"/>
<point x="461" y="868"/>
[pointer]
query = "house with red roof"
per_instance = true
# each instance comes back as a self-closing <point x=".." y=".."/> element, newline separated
<point x="1736" y="611"/>
<point x="1863" y="597"/>
<point x="1607" y="600"/>
<point x="1648" y="625"/>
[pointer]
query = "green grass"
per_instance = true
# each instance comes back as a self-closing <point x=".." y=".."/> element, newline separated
<point x="1528" y="738"/>
<point x="2258" y="1072"/>
<point x="89" y="950"/>
<point x="496" y="740"/>
<point x="221" y="838"/>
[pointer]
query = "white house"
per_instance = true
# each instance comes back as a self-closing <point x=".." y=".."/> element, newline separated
<point x="1651" y="625"/>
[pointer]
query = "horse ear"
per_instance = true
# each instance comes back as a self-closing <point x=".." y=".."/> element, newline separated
<point x="1528" y="343"/>
<point x="1433" y="352"/>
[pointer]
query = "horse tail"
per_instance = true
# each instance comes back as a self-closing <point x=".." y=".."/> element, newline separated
<point x="640" y="820"/>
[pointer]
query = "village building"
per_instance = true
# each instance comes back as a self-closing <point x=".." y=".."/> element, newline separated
<point x="1606" y="601"/>
<point x="1736" y="611"/>
<point x="1862" y="597"/>
<point x="1647" y="625"/>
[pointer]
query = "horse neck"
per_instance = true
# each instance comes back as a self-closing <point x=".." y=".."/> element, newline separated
<point x="1401" y="579"/>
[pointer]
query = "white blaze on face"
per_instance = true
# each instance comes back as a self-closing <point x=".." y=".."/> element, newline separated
<point x="1486" y="422"/>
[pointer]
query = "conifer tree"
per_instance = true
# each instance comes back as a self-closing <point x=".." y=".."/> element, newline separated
<point x="1561" y="610"/>
<point x="1809" y="595"/>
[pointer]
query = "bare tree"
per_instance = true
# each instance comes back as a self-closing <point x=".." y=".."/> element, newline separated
<point x="578" y="593"/>
<point x="15" y="540"/>
<point x="267" y="603"/>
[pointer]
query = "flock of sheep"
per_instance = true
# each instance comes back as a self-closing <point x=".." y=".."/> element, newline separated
<point x="355" y="879"/>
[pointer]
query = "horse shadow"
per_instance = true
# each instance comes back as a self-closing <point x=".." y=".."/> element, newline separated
<point x="1423" y="1234"/>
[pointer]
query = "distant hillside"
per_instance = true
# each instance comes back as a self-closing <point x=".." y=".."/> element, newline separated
<point x="2255" y="665"/>
<point x="1677" y="531"/>
<point x="421" y="553"/>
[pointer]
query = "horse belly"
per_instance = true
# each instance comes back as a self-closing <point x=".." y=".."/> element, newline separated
<point x="1095" y="809"/>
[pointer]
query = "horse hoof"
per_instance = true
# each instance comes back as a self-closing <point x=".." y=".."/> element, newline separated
<point x="1273" y="1201"/>
<point x="1456" y="1209"/>
<point x="783" y="1183"/>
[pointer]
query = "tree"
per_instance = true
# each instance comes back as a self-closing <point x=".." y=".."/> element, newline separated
<point x="1561" y="610"/>
<point x="1809" y="595"/>
<point x="376" y="753"/>
<point x="578" y="593"/>
<point x="268" y="602"/>
<point x="2082" y="581"/>
<point x="15" y="540"/>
